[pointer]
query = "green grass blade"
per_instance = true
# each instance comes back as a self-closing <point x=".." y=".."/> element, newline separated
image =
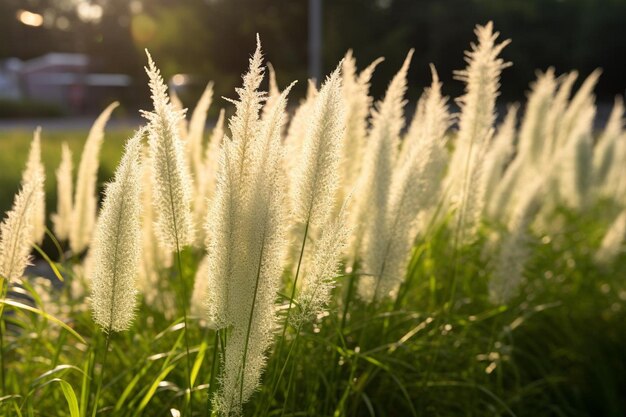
<point x="198" y="362"/>
<point x="70" y="397"/>
<point x="50" y="262"/>
<point x="130" y="387"/>
<point x="153" y="388"/>
<point x="86" y="384"/>
<point x="57" y="369"/>
<point x="26" y="307"/>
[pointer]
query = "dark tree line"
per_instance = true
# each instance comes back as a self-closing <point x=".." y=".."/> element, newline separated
<point x="213" y="38"/>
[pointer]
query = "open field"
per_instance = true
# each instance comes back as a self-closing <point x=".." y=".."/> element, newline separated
<point x="14" y="151"/>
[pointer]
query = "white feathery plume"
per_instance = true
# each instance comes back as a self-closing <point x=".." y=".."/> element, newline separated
<point x="226" y="215"/>
<point x="178" y="106"/>
<point x="195" y="154"/>
<point x="316" y="176"/>
<point x="266" y="225"/>
<point x="533" y="133"/>
<point x="298" y="123"/>
<point x="604" y="152"/>
<point x="499" y="154"/>
<point x="506" y="193"/>
<point x="430" y="121"/>
<point x="205" y="182"/>
<point x="172" y="185"/>
<point x="85" y="198"/>
<point x="355" y="90"/>
<point x="246" y="253"/>
<point x="273" y="94"/>
<point x="575" y="159"/>
<point x="615" y="183"/>
<point x="62" y="219"/>
<point x="212" y="153"/>
<point x="481" y="76"/>
<point x="223" y="223"/>
<point x="414" y="132"/>
<point x="578" y="107"/>
<point x="154" y="257"/>
<point x="319" y="277"/>
<point x="246" y="244"/>
<point x="197" y="123"/>
<point x="245" y="125"/>
<point x="415" y="188"/>
<point x="534" y="152"/>
<point x="433" y="121"/>
<point x="556" y="113"/>
<point x="613" y="242"/>
<point x="372" y="189"/>
<point x="514" y="251"/>
<point x="200" y="289"/>
<point x="298" y="129"/>
<point x="34" y="167"/>
<point x="16" y="231"/>
<point x="117" y="244"/>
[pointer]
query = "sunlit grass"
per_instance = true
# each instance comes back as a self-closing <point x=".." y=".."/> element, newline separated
<point x="439" y="340"/>
<point x="14" y="146"/>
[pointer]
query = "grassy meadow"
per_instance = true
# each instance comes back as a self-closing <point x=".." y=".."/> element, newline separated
<point x="336" y="260"/>
<point x="15" y="144"/>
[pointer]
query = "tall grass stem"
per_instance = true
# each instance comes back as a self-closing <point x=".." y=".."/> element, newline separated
<point x="101" y="376"/>
<point x="183" y="296"/>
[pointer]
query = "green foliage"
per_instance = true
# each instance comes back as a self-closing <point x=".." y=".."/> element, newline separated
<point x="556" y="349"/>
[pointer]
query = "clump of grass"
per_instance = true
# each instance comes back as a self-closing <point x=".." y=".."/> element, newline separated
<point x="345" y="266"/>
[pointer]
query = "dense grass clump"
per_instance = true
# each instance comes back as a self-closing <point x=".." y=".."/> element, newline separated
<point x="338" y="261"/>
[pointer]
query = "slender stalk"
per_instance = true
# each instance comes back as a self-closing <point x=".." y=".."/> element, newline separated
<point x="245" y="349"/>
<point x="183" y="296"/>
<point x="183" y="286"/>
<point x="289" y="352"/>
<point x="216" y="346"/>
<point x="295" y="280"/>
<point x="349" y="295"/>
<point x="56" y="243"/>
<point x="459" y="232"/>
<point x="291" y="372"/>
<point x="2" y="377"/>
<point x="344" y="319"/>
<point x="3" y="291"/>
<point x="101" y="376"/>
<point x="281" y="342"/>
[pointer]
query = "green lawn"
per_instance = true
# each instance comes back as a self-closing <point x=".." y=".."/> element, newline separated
<point x="14" y="147"/>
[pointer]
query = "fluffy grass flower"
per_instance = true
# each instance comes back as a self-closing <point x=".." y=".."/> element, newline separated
<point x="62" y="219"/>
<point x="117" y="244"/>
<point x="372" y="190"/>
<point x="317" y="174"/>
<point x="172" y="185"/>
<point x="16" y="231"/>
<point x="247" y="244"/>
<point x="35" y="168"/>
<point x="355" y="93"/>
<point x="155" y="259"/>
<point x="414" y="189"/>
<point x="194" y="139"/>
<point x="319" y="278"/>
<point x="481" y="78"/>
<point x="85" y="198"/>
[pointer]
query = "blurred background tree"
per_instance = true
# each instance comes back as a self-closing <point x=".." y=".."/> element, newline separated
<point x="212" y="39"/>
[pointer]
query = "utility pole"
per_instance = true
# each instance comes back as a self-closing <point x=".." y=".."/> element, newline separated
<point x="315" y="40"/>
